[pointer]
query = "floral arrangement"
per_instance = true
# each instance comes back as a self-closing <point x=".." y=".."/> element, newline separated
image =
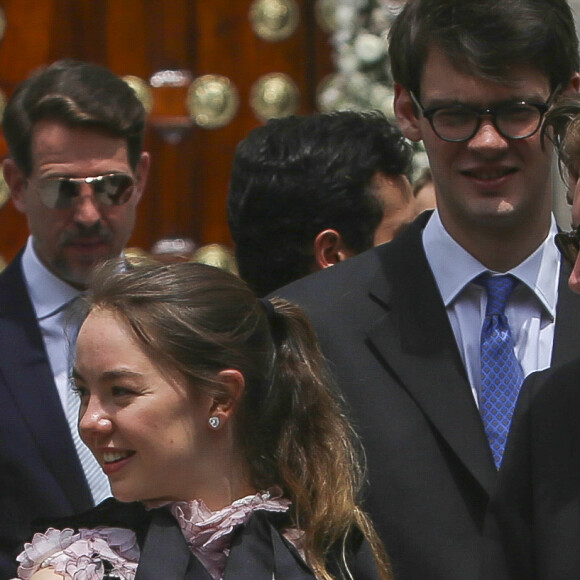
<point x="359" y="35"/>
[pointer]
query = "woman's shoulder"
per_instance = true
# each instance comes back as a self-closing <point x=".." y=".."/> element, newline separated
<point x="110" y="513"/>
<point x="81" y="554"/>
<point x="101" y="542"/>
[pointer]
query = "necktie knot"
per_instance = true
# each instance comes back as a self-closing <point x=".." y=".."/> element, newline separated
<point x="498" y="289"/>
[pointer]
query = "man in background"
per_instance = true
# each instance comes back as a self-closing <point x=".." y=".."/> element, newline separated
<point x="77" y="171"/>
<point x="533" y="524"/>
<point x="431" y="335"/>
<point x="309" y="192"/>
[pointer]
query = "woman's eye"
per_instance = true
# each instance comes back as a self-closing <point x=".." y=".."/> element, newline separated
<point x="79" y="390"/>
<point x="122" y="391"/>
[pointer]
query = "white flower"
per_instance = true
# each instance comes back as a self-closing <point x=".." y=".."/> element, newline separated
<point x="369" y="48"/>
<point x="344" y="15"/>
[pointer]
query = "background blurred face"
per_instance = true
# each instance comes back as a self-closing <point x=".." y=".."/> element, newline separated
<point x="71" y="241"/>
<point x="396" y="195"/>
<point x="148" y="431"/>
<point x="574" y="280"/>
<point x="489" y="181"/>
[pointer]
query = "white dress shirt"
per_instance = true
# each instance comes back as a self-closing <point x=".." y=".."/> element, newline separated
<point x="531" y="309"/>
<point x="50" y="297"/>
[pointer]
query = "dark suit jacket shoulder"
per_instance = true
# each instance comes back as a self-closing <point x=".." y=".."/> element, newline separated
<point x="40" y="474"/>
<point x="533" y="525"/>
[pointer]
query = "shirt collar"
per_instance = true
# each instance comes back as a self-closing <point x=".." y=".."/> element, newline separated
<point x="47" y="292"/>
<point x="454" y="268"/>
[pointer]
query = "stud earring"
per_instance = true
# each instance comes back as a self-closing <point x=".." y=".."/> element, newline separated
<point x="214" y="422"/>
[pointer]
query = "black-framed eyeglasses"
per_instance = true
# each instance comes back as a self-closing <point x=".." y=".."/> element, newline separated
<point x="459" y="123"/>
<point x="569" y="244"/>
<point x="108" y="190"/>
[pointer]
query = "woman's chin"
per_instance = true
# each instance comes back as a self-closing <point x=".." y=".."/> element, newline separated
<point x="124" y="495"/>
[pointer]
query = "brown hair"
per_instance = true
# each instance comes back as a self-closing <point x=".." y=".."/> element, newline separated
<point x="562" y="126"/>
<point x="485" y="38"/>
<point x="79" y="94"/>
<point x="200" y="320"/>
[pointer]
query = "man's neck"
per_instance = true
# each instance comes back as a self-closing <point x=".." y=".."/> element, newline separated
<point x="501" y="248"/>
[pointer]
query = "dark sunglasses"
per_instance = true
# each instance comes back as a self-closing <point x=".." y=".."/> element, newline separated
<point x="62" y="192"/>
<point x="569" y="244"/>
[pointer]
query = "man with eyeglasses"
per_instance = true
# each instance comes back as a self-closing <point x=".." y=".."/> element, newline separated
<point x="77" y="171"/>
<point x="431" y="335"/>
<point x="533" y="524"/>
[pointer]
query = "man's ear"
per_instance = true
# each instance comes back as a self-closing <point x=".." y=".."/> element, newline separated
<point x="233" y="383"/>
<point x="141" y="174"/>
<point x="405" y="114"/>
<point x="16" y="181"/>
<point x="574" y="85"/>
<point x="329" y="249"/>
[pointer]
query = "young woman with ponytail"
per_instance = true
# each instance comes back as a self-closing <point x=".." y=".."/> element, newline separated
<point x="228" y="453"/>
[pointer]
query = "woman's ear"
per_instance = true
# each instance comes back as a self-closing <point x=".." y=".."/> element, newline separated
<point x="224" y="406"/>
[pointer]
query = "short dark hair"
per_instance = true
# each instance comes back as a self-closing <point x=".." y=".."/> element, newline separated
<point x="485" y="38"/>
<point x="296" y="176"/>
<point x="562" y="126"/>
<point x="79" y="94"/>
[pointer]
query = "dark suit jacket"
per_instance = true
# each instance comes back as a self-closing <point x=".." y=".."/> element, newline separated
<point x="384" y="328"/>
<point x="533" y="526"/>
<point x="40" y="474"/>
<point x="257" y="549"/>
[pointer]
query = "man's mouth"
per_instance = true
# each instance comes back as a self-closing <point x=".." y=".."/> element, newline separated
<point x="487" y="174"/>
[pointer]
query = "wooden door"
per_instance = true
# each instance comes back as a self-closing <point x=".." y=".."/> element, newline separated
<point x="191" y="39"/>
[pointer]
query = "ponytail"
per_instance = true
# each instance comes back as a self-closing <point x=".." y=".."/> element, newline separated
<point x="318" y="456"/>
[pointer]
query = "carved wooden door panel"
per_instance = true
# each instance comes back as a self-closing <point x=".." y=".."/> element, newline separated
<point x="207" y="68"/>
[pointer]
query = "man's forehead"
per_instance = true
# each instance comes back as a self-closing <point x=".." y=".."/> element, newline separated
<point x="443" y="82"/>
<point x="55" y="142"/>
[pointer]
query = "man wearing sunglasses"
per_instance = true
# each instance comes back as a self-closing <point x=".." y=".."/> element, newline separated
<point x="533" y="524"/>
<point x="431" y="335"/>
<point x="77" y="171"/>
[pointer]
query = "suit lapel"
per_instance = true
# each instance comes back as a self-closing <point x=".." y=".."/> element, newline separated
<point x="415" y="341"/>
<point x="259" y="553"/>
<point x="34" y="393"/>
<point x="166" y="554"/>
<point x="567" y="332"/>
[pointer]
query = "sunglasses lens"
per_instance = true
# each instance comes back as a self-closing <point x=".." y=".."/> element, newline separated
<point x="58" y="193"/>
<point x="113" y="189"/>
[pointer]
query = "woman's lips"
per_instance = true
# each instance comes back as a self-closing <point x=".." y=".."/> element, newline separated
<point x="113" y="461"/>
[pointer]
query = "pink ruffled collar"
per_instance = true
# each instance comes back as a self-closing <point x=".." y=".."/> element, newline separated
<point x="208" y="533"/>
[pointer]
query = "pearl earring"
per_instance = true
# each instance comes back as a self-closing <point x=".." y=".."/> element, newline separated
<point x="214" y="422"/>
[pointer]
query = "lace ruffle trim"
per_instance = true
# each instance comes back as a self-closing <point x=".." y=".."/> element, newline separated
<point x="89" y="554"/>
<point x="84" y="555"/>
<point x="208" y="533"/>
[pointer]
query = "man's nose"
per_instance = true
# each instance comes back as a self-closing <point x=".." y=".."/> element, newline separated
<point x="488" y="137"/>
<point x="87" y="210"/>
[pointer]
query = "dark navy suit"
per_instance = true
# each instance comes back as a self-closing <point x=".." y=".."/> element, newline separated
<point x="40" y="473"/>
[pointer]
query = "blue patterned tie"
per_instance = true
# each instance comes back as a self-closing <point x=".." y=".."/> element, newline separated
<point x="501" y="372"/>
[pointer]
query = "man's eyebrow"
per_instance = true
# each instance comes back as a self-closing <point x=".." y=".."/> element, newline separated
<point x="437" y="102"/>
